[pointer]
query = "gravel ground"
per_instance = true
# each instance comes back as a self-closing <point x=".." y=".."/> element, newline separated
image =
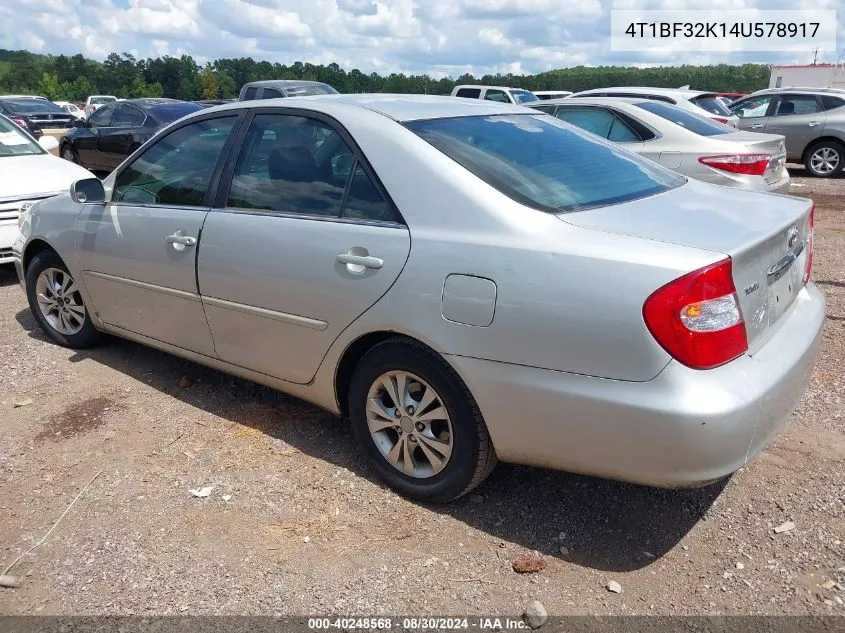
<point x="295" y="523"/>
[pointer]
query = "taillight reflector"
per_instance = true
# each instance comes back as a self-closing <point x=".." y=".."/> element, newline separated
<point x="810" y="230"/>
<point x="748" y="164"/>
<point x="720" y="119"/>
<point x="697" y="318"/>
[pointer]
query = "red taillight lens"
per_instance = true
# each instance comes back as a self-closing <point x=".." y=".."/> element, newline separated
<point x="748" y="164"/>
<point x="810" y="226"/>
<point x="697" y="318"/>
<point x="19" y="122"/>
<point x="720" y="119"/>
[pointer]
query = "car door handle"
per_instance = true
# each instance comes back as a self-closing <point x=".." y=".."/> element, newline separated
<point x="364" y="261"/>
<point x="757" y="126"/>
<point x="180" y="240"/>
<point x="813" y="123"/>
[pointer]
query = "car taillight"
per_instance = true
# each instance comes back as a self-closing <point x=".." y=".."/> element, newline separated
<point x="720" y="119"/>
<point x="748" y="164"/>
<point x="19" y="122"/>
<point x="697" y="318"/>
<point x="810" y="226"/>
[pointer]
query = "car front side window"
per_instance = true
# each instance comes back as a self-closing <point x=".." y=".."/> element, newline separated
<point x="752" y="108"/>
<point x="177" y="169"/>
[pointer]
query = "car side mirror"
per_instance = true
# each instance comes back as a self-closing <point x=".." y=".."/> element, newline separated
<point x="88" y="191"/>
<point x="48" y="142"/>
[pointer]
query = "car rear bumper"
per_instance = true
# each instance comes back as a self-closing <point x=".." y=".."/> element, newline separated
<point x="683" y="428"/>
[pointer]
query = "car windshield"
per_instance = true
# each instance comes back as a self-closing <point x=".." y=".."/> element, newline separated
<point x="15" y="142"/>
<point x="102" y="100"/>
<point x="32" y="106"/>
<point x="169" y="112"/>
<point x="305" y="91"/>
<point x="701" y="125"/>
<point x="544" y="163"/>
<point x="523" y="96"/>
<point x="712" y="104"/>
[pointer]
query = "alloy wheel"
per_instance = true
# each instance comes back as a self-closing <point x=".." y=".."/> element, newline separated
<point x="825" y="160"/>
<point x="59" y="301"/>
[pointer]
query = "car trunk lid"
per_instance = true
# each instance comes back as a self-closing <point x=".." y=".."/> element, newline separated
<point x="766" y="236"/>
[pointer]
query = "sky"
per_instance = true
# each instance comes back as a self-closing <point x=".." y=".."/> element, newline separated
<point x="437" y="37"/>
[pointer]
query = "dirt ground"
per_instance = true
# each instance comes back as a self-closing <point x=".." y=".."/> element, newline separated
<point x="295" y="523"/>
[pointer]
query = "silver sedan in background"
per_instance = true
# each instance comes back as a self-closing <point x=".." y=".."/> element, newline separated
<point x="468" y="281"/>
<point x="691" y="144"/>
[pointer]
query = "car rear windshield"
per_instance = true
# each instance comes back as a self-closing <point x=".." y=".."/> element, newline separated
<point x="712" y="104"/>
<point x="701" y="125"/>
<point x="306" y="91"/>
<point x="544" y="163"/>
<point x="523" y="96"/>
<point x="172" y="111"/>
<point x="102" y="100"/>
<point x="32" y="106"/>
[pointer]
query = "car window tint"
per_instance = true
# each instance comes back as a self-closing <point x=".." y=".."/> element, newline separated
<point x="291" y="164"/>
<point x="271" y="93"/>
<point x="364" y="201"/>
<point x="543" y="163"/>
<point x="177" y="169"/>
<point x="102" y="116"/>
<point x="797" y="104"/>
<point x="712" y="104"/>
<point x="698" y="124"/>
<point x="830" y="103"/>
<point x="496" y="95"/>
<point x="250" y="93"/>
<point x="751" y="108"/>
<point x="523" y="96"/>
<point x="126" y="115"/>
<point x="598" y="121"/>
<point x="470" y="93"/>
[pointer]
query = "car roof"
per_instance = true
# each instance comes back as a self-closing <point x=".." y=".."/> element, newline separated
<point x="486" y="86"/>
<point x="399" y="107"/>
<point x="783" y="89"/>
<point x="287" y="83"/>
<point x="606" y="101"/>
<point x="669" y="92"/>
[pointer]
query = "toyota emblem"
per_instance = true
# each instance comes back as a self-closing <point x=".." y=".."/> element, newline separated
<point x="792" y="237"/>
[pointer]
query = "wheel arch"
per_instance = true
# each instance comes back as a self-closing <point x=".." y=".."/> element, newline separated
<point x="35" y="246"/>
<point x="827" y="137"/>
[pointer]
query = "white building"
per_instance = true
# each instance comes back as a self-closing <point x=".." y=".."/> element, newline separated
<point x="809" y="76"/>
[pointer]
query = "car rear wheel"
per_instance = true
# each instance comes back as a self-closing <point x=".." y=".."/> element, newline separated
<point x="57" y="304"/>
<point x="825" y="159"/>
<point x="418" y="423"/>
<point x="69" y="154"/>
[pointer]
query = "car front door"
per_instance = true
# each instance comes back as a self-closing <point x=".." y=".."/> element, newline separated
<point x="302" y="242"/>
<point x="115" y="141"/>
<point x="753" y="113"/>
<point x="87" y="141"/>
<point x="138" y="252"/>
<point x="798" y="117"/>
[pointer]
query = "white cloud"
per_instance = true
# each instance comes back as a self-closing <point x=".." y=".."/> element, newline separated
<point x="434" y="36"/>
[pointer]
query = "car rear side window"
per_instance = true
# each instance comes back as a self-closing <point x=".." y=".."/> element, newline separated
<point x="797" y="104"/>
<point x="271" y="93"/>
<point x="830" y="103"/>
<point x="292" y="164"/>
<point x="250" y="93"/>
<point x="712" y="104"/>
<point x="599" y="121"/>
<point x="469" y="93"/>
<point x="177" y="169"/>
<point x="700" y="125"/>
<point x="544" y="163"/>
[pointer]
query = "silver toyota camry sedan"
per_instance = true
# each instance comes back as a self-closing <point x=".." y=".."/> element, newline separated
<point x="467" y="281"/>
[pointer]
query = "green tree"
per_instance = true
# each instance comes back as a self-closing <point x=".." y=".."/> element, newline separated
<point x="49" y="86"/>
<point x="210" y="85"/>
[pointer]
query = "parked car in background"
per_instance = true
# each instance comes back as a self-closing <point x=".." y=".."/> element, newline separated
<point x="273" y="241"/>
<point x="688" y="143"/>
<point x="501" y="94"/>
<point x="692" y="100"/>
<point x="214" y="102"/>
<point x="811" y="119"/>
<point x="35" y="114"/>
<point x="71" y="108"/>
<point x="732" y="96"/>
<point x="279" y="88"/>
<point x="545" y="95"/>
<point x="28" y="173"/>
<point x="94" y="102"/>
<point x="101" y="142"/>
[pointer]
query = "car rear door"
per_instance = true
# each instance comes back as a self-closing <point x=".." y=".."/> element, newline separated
<point x="115" y="141"/>
<point x="798" y="117"/>
<point x="138" y="252"/>
<point x="302" y="241"/>
<point x="86" y="142"/>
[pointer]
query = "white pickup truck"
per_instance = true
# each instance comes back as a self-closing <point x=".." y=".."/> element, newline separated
<point x="96" y="101"/>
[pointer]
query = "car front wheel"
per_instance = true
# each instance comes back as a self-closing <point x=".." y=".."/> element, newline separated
<point x="825" y="159"/>
<point x="56" y="302"/>
<point x="418" y="423"/>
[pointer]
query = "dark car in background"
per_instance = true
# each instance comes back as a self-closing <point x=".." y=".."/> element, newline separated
<point x="35" y="114"/>
<point x="116" y="130"/>
<point x="278" y="88"/>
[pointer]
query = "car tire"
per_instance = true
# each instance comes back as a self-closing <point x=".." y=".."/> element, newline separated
<point x="68" y="154"/>
<point x="56" y="305"/>
<point x="446" y="438"/>
<point x="825" y="159"/>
